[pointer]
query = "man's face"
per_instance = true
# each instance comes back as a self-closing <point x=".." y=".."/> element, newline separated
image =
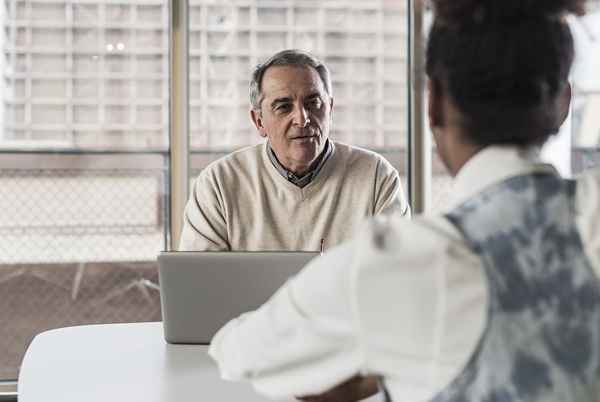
<point x="295" y="115"/>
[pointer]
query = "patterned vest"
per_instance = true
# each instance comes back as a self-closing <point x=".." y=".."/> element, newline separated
<point x="542" y="336"/>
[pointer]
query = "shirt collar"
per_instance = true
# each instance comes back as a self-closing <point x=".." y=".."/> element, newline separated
<point x="491" y="165"/>
<point x="307" y="177"/>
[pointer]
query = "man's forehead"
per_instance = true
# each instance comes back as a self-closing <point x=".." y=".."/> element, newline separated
<point x="293" y="81"/>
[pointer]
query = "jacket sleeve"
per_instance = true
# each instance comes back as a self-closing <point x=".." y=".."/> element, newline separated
<point x="204" y="225"/>
<point x="302" y="341"/>
<point x="389" y="194"/>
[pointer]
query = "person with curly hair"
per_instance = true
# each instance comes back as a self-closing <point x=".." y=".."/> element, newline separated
<point x="496" y="299"/>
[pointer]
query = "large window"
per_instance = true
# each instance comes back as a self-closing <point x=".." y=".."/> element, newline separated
<point x="585" y="117"/>
<point x="84" y="145"/>
<point x="82" y="165"/>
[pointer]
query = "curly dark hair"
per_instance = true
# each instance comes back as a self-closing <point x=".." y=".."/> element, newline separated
<point x="504" y="64"/>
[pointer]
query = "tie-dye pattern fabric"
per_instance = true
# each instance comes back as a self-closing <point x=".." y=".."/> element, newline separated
<point x="542" y="336"/>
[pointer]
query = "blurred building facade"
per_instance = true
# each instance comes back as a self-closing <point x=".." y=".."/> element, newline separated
<point x="94" y="73"/>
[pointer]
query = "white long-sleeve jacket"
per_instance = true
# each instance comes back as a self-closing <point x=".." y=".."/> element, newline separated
<point x="412" y="313"/>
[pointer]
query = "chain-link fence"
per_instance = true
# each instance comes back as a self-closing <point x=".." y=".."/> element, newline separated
<point x="78" y="243"/>
<point x="73" y="215"/>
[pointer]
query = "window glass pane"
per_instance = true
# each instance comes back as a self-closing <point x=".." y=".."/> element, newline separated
<point x="82" y="165"/>
<point x="585" y="116"/>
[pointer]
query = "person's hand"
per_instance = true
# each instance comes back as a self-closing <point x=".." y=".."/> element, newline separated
<point x="354" y="389"/>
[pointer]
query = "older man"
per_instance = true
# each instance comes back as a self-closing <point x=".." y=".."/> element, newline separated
<point x="299" y="190"/>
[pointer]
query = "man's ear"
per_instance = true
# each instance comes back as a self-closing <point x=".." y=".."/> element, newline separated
<point x="331" y="108"/>
<point x="256" y="117"/>
<point x="435" y="104"/>
<point x="564" y="103"/>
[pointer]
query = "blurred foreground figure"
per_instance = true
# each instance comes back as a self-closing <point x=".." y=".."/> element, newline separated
<point x="496" y="300"/>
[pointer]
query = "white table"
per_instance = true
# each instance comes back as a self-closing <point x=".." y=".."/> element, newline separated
<point x="121" y="363"/>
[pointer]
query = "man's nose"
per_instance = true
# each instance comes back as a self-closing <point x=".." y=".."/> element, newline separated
<point x="301" y="118"/>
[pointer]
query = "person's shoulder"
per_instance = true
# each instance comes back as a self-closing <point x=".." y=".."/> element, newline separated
<point x="421" y="239"/>
<point x="361" y="158"/>
<point x="235" y="162"/>
<point x="423" y="231"/>
<point x="356" y="152"/>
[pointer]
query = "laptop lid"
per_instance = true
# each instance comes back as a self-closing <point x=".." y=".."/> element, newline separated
<point x="201" y="291"/>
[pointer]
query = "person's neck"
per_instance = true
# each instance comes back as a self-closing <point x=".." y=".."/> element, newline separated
<point x="460" y="151"/>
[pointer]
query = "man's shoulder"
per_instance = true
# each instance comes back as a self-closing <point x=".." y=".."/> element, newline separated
<point x="353" y="151"/>
<point x="235" y="162"/>
<point x="361" y="159"/>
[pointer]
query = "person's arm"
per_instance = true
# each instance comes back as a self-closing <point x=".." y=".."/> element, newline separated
<point x="389" y="194"/>
<point x="303" y="341"/>
<point x="204" y="224"/>
<point x="384" y="304"/>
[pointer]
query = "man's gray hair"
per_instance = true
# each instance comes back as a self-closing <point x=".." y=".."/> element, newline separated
<point x="289" y="57"/>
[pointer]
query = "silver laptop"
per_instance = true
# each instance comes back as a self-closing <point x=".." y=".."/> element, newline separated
<point x="201" y="291"/>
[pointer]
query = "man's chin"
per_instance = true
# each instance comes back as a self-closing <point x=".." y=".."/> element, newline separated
<point x="305" y="158"/>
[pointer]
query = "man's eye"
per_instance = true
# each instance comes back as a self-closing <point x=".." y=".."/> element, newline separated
<point x="315" y="103"/>
<point x="282" y="108"/>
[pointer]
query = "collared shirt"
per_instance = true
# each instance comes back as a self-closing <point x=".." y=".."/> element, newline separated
<point x="308" y="176"/>
<point x="412" y="312"/>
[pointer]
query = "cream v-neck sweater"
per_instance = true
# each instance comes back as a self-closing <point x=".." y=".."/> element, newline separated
<point x="241" y="202"/>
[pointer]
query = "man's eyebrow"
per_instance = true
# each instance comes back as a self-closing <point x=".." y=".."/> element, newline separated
<point x="288" y="99"/>
<point x="281" y="100"/>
